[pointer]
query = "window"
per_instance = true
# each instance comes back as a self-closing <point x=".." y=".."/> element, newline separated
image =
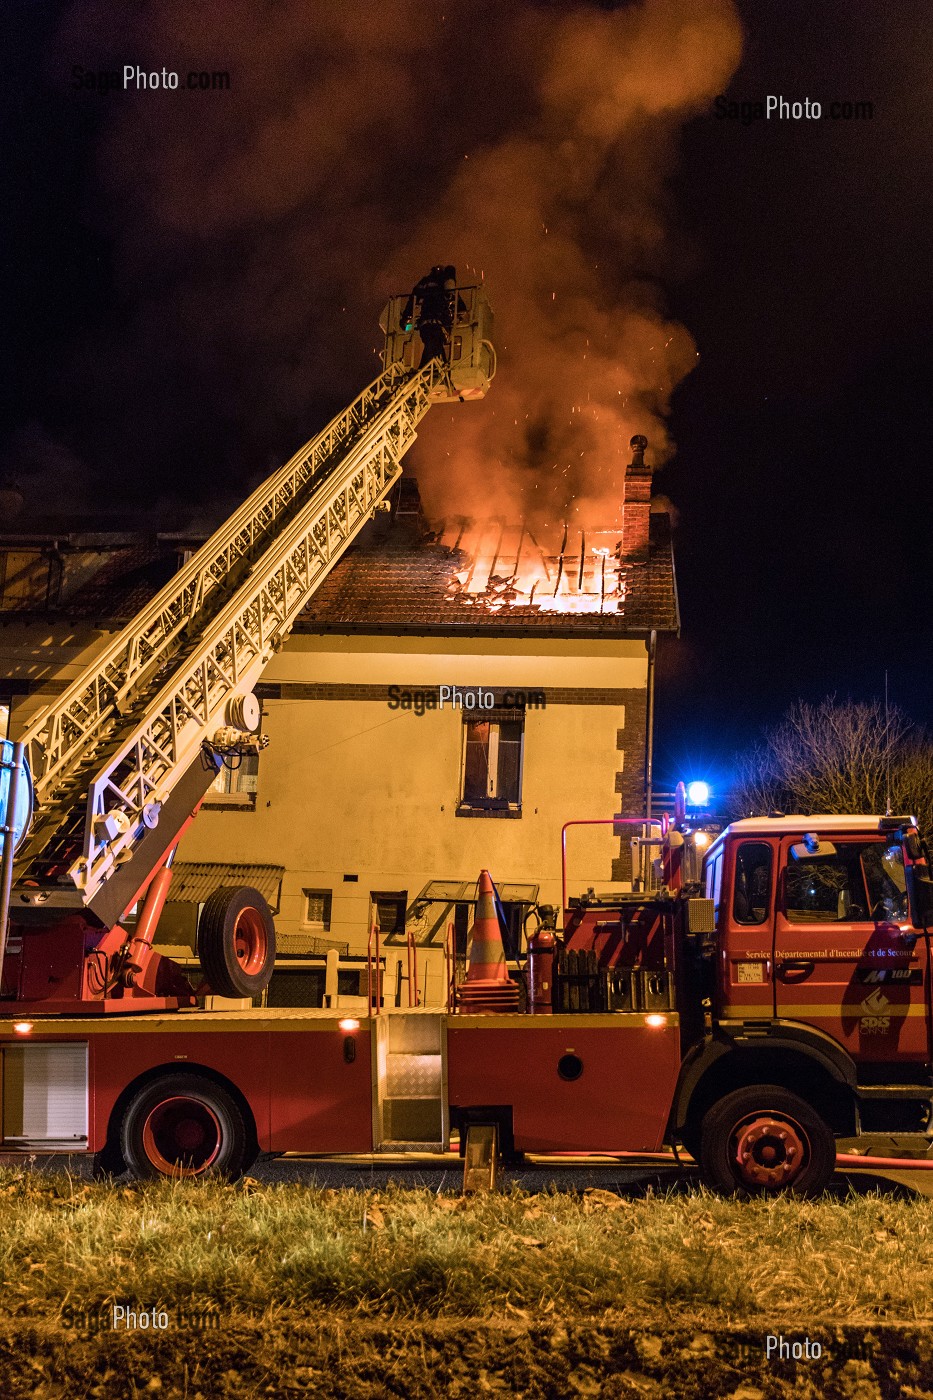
<point x="391" y="906"/>
<point x="4" y="719"/>
<point x="462" y="914"/>
<point x="859" y="883"/>
<point x="513" y="916"/>
<point x="28" y="579"/>
<point x="236" y="783"/>
<point x="317" y="910"/>
<point x="714" y="883"/>
<point x="296" y="988"/>
<point x="751" y="900"/>
<point x="492" y="763"/>
<point x="883" y="868"/>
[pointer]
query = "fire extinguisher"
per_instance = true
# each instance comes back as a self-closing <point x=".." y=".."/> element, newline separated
<point x="542" y="947"/>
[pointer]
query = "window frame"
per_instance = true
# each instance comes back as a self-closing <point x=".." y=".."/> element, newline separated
<point x="236" y="798"/>
<point x="714" y="881"/>
<point x="43" y="594"/>
<point x="400" y="899"/>
<point x="316" y="925"/>
<point x="772" y="896"/>
<point x="813" y="919"/>
<point x="491" y="806"/>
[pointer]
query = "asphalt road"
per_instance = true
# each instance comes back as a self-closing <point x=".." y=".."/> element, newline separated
<point x="446" y="1174"/>
<point x="538" y="1174"/>
<point x="375" y="1171"/>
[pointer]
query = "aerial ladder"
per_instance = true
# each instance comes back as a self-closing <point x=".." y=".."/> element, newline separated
<point x="118" y="765"/>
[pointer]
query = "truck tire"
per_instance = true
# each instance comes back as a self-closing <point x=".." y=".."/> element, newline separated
<point x="763" y="1140"/>
<point x="236" y="942"/>
<point x="183" y="1126"/>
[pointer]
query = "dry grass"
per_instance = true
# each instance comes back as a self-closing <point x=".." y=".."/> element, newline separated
<point x="253" y="1250"/>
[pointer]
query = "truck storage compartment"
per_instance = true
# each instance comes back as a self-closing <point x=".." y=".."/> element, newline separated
<point x="45" y="1097"/>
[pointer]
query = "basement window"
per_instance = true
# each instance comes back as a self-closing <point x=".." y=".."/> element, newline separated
<point x="317" y="910"/>
<point x="493" y="753"/>
<point x="391" y="906"/>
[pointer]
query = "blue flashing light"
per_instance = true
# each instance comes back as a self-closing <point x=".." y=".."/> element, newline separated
<point x="698" y="794"/>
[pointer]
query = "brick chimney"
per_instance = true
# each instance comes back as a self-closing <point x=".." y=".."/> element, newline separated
<point x="636" y="513"/>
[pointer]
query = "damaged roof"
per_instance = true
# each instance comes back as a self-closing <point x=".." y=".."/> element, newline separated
<point x="398" y="577"/>
<point x="466" y="575"/>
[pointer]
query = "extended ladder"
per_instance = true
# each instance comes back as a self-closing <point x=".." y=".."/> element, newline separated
<point x="118" y="761"/>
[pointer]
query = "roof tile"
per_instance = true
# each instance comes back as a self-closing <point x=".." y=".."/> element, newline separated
<point x="467" y="576"/>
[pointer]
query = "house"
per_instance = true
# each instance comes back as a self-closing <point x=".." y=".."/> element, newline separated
<point x="452" y="695"/>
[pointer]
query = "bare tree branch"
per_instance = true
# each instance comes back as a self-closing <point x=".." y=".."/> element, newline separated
<point x="838" y="757"/>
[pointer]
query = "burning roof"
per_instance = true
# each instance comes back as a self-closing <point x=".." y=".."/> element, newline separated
<point x="496" y="576"/>
<point x="507" y="567"/>
<point x="409" y="577"/>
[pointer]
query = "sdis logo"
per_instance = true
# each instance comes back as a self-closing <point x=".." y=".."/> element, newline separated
<point x="873" y="1021"/>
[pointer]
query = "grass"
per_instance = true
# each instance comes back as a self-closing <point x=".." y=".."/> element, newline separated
<point x="252" y="1251"/>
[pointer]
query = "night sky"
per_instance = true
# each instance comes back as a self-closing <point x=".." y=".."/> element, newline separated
<point x="797" y="254"/>
<point x="805" y="436"/>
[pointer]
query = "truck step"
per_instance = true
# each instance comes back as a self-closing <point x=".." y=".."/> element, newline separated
<point x="908" y="1145"/>
<point x="399" y="1146"/>
<point x="895" y="1091"/>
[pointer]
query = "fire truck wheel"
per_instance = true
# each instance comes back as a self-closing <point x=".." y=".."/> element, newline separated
<point x="108" y="1163"/>
<point x="762" y="1140"/>
<point x="236" y="942"/>
<point x="183" y="1126"/>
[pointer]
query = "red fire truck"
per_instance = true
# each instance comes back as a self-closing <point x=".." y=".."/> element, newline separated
<point x="766" y="1001"/>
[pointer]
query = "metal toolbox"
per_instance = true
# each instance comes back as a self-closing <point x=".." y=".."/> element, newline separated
<point x="655" y="990"/>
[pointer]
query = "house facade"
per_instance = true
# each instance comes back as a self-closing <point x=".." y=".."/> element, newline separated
<point x="453" y="694"/>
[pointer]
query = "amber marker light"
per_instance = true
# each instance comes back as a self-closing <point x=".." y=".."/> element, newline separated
<point x="655" y="1019"/>
<point x="22" y="1027"/>
<point x="349" y="1024"/>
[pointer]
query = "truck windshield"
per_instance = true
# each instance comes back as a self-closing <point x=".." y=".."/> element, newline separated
<point x="858" y="884"/>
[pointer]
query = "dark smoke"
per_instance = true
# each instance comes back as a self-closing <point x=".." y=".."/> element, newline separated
<point x="258" y="231"/>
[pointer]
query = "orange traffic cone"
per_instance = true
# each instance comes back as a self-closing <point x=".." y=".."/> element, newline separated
<point x="488" y="987"/>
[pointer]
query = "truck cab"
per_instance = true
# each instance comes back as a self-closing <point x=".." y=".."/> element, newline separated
<point x="815" y="988"/>
<point x="813" y="927"/>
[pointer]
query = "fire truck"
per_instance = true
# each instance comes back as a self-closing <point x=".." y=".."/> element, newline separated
<point x="761" y="1002"/>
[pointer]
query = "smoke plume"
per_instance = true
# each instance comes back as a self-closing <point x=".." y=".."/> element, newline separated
<point x="257" y="231"/>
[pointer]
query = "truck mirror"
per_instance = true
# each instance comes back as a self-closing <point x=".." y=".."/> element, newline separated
<point x="917" y="878"/>
<point x="920" y="897"/>
<point x="913" y="846"/>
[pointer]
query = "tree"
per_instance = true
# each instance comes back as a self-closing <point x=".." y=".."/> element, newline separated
<point x="838" y="757"/>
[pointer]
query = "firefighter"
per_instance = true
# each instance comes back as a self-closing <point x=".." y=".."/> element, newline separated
<point x="435" y="320"/>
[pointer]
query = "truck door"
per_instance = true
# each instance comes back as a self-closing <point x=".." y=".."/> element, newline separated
<point x="845" y="960"/>
<point x="745" y="919"/>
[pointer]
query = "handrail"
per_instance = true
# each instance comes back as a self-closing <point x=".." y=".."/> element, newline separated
<point x="8" y="836"/>
<point x="589" y="821"/>
<point x="412" y="967"/>
<point x="375" y="1006"/>
<point x="450" y="967"/>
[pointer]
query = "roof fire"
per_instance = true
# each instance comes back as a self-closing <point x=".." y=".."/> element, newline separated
<point x="509" y="567"/>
